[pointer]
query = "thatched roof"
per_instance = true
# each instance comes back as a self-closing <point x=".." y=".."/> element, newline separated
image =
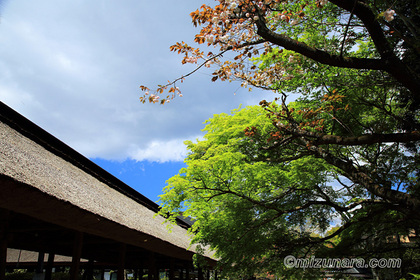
<point x="23" y="256"/>
<point x="43" y="178"/>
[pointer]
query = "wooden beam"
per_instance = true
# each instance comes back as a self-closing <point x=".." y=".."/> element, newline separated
<point x="187" y="273"/>
<point x="3" y="256"/>
<point x="4" y="236"/>
<point x="136" y="274"/>
<point x="171" y="269"/>
<point x="89" y="270"/>
<point x="151" y="268"/>
<point x="121" y="262"/>
<point x="200" y="274"/>
<point x="140" y="272"/>
<point x="77" y="253"/>
<point x="40" y="263"/>
<point x="181" y="274"/>
<point x="156" y="273"/>
<point x="50" y="264"/>
<point x="39" y="275"/>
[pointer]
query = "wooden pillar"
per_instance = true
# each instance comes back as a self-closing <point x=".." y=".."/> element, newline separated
<point x="200" y="274"/>
<point x="150" y="265"/>
<point x="156" y="273"/>
<point x="121" y="262"/>
<point x="89" y="270"/>
<point x="40" y="263"/>
<point x="141" y="273"/>
<point x="187" y="273"/>
<point x="171" y="269"/>
<point x="151" y="269"/>
<point x="50" y="264"/>
<point x="4" y="234"/>
<point x="181" y="274"/>
<point x="150" y="272"/>
<point x="3" y="256"/>
<point x="77" y="253"/>
<point x="39" y="267"/>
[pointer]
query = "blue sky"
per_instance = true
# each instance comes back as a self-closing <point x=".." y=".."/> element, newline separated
<point x="75" y="67"/>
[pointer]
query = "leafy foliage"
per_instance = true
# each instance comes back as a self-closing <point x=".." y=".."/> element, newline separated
<point x="254" y="205"/>
<point x="267" y="181"/>
<point x="362" y="35"/>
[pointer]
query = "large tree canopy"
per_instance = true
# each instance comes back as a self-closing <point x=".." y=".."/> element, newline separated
<point x="265" y="179"/>
<point x="254" y="204"/>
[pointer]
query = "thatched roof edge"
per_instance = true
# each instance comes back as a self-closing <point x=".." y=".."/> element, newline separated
<point x="37" y="134"/>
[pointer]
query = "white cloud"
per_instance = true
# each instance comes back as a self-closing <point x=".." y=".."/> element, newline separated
<point x="161" y="151"/>
<point x="75" y="68"/>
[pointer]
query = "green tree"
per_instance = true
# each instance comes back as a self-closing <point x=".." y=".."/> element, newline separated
<point x="255" y="205"/>
<point x="264" y="180"/>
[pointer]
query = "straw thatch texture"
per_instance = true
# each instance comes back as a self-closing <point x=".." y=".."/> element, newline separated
<point x="29" y="163"/>
<point x="23" y="256"/>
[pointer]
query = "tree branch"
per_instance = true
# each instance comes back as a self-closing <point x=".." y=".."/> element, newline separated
<point x="389" y="62"/>
<point x="366" y="15"/>
<point x="367" y="139"/>
<point x="393" y="64"/>
<point x="404" y="200"/>
<point x="346" y="30"/>
<point x="317" y="54"/>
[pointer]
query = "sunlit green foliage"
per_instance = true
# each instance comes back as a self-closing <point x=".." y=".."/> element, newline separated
<point x="268" y="181"/>
<point x="254" y="205"/>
